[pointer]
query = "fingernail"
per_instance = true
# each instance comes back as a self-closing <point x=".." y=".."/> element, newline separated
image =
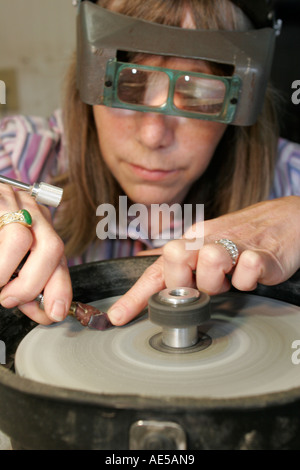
<point x="10" y="302"/>
<point x="116" y="315"/>
<point x="58" y="311"/>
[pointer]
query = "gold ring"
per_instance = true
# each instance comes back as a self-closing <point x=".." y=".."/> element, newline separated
<point x="22" y="217"/>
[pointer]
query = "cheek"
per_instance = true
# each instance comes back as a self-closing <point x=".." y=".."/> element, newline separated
<point x="114" y="135"/>
<point x="111" y="122"/>
<point x="199" y="142"/>
<point x="204" y="133"/>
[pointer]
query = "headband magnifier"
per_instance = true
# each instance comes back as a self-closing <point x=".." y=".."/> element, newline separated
<point x="104" y="80"/>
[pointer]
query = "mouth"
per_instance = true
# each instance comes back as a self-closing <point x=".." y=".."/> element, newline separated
<point x="149" y="174"/>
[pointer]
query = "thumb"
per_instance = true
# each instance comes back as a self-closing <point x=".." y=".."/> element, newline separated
<point x="136" y="299"/>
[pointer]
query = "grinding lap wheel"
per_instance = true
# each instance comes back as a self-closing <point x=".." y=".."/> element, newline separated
<point x="247" y="352"/>
<point x="37" y="414"/>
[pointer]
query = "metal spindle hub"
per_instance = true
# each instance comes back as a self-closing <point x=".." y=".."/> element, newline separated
<point x="179" y="312"/>
<point x="179" y="295"/>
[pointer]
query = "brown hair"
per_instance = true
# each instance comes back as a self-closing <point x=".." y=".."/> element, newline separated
<point x="240" y="173"/>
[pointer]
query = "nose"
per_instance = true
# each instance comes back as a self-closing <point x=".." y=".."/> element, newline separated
<point x="155" y="130"/>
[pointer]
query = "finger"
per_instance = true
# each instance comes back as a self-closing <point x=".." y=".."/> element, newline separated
<point x="34" y="275"/>
<point x="15" y="242"/>
<point x="15" y="238"/>
<point x="57" y="298"/>
<point x="136" y="299"/>
<point x="58" y="293"/>
<point x="256" y="267"/>
<point x="214" y="263"/>
<point x="46" y="253"/>
<point x="8" y="201"/>
<point x="179" y="264"/>
<point x="32" y="311"/>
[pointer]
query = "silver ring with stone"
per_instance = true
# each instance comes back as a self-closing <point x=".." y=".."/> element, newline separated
<point x="231" y="249"/>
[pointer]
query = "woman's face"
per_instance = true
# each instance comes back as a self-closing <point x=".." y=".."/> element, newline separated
<point x="154" y="157"/>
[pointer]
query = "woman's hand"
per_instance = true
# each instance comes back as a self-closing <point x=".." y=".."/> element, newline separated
<point x="267" y="235"/>
<point x="45" y="269"/>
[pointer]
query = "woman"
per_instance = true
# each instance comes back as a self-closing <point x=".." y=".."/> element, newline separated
<point x="103" y="153"/>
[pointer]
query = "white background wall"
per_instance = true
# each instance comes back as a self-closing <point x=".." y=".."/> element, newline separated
<point x="37" y="38"/>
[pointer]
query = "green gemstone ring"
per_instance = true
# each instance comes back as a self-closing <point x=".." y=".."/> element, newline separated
<point x="22" y="217"/>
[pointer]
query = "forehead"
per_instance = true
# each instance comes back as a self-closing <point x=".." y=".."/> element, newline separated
<point x="177" y="63"/>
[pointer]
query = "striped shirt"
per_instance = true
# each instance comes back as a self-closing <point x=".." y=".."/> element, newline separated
<point x="32" y="150"/>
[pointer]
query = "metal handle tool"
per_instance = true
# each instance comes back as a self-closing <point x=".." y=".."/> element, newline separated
<point x="43" y="193"/>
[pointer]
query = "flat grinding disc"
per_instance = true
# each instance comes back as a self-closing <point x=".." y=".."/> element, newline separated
<point x="250" y="354"/>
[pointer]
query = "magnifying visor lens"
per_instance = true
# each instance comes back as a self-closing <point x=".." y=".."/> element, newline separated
<point x="174" y="92"/>
<point x="143" y="87"/>
<point x="201" y="95"/>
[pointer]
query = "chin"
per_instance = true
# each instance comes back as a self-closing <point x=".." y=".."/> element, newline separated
<point x="148" y="195"/>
